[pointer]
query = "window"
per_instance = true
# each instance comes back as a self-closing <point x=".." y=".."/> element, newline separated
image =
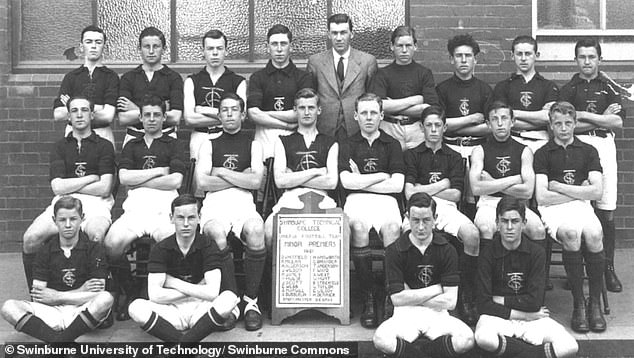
<point x="558" y="24"/>
<point x="183" y="22"/>
<point x="583" y="17"/>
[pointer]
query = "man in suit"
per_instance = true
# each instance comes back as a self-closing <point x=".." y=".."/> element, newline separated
<point x="341" y="75"/>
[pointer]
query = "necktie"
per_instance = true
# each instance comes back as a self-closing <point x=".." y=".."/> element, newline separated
<point x="340" y="69"/>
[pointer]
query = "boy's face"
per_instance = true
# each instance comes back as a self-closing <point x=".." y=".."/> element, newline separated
<point x="403" y="49"/>
<point x="563" y="126"/>
<point x="434" y="129"/>
<point x="214" y="51"/>
<point x="463" y="60"/>
<point x="152" y="118"/>
<point x="307" y="111"/>
<point x="230" y="114"/>
<point x="524" y="56"/>
<point x="369" y="115"/>
<point x="151" y="50"/>
<point x="92" y="45"/>
<point x="68" y="222"/>
<point x="79" y="114"/>
<point x="279" y="49"/>
<point x="500" y="123"/>
<point x="588" y="61"/>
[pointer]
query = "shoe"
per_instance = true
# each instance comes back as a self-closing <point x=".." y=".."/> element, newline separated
<point x="368" y="317"/>
<point x="229" y="324"/>
<point x="122" y="308"/>
<point x="612" y="282"/>
<point x="469" y="313"/>
<point x="252" y="315"/>
<point x="595" y="317"/>
<point x="579" y="321"/>
<point x="388" y="308"/>
<point x="108" y="322"/>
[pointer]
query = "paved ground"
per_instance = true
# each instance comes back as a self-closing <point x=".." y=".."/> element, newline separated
<point x="313" y="326"/>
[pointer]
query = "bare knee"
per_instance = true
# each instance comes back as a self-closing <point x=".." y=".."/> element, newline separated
<point x="569" y="238"/>
<point x="470" y="236"/>
<point x="225" y="303"/>
<point x="359" y="234"/>
<point x="486" y="230"/>
<point x="593" y="238"/>
<point x="215" y="231"/>
<point x="268" y="232"/>
<point x="536" y="232"/>
<point x="565" y="346"/>
<point x="253" y="232"/>
<point x="101" y="304"/>
<point x="390" y="232"/>
<point x="485" y="336"/>
<point x="463" y="341"/>
<point x="13" y="310"/>
<point x="384" y="340"/>
<point x="139" y="311"/>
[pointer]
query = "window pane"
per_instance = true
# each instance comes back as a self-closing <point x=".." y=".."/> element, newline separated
<point x="373" y="22"/>
<point x="123" y="20"/>
<point x="40" y="19"/>
<point x="568" y="14"/>
<point x="305" y="18"/>
<point x="195" y="17"/>
<point x="619" y="14"/>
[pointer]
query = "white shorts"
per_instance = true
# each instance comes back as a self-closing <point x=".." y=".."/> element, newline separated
<point x="409" y="322"/>
<point x="465" y="151"/>
<point x="196" y="139"/>
<point x="231" y="207"/>
<point x="578" y="212"/>
<point x="449" y="218"/>
<point x="373" y="210"/>
<point x="535" y="332"/>
<point x="182" y="314"/>
<point x="290" y="199"/>
<point x="486" y="216"/>
<point x="267" y="138"/>
<point x="147" y="209"/>
<point x="410" y="136"/>
<point x="92" y="206"/>
<point x="57" y="317"/>
<point x="533" y="144"/>
<point x="607" y="155"/>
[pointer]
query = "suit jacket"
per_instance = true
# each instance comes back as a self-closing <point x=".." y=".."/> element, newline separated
<point x="361" y="67"/>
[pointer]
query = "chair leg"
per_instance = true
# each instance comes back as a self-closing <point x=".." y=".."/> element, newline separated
<point x="604" y="296"/>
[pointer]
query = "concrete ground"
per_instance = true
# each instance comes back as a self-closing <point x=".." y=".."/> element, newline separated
<point x="313" y="326"/>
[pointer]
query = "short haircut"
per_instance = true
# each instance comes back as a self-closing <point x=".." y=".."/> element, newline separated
<point x="306" y="93"/>
<point x="421" y="200"/>
<point x="401" y="31"/>
<point x="562" y="107"/>
<point x="433" y="110"/>
<point x="153" y="100"/>
<point x="588" y="42"/>
<point x="92" y="28"/>
<point x="91" y="104"/>
<point x="214" y="34"/>
<point x="340" y="19"/>
<point x="524" y="39"/>
<point x="368" y="97"/>
<point x="495" y="105"/>
<point x="231" y="95"/>
<point x="279" y="29"/>
<point x="68" y="202"/>
<point x="462" y="40"/>
<point x="184" y="199"/>
<point x="510" y="203"/>
<point x="152" y="31"/>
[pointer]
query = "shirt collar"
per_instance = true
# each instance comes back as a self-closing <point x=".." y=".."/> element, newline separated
<point x="92" y="137"/>
<point x="345" y="56"/>
<point x="172" y="244"/>
<point x="516" y="76"/>
<point x="357" y="137"/>
<point x="422" y="148"/>
<point x="459" y="80"/>
<point x="551" y="145"/>
<point x="286" y="70"/>
<point x="82" y="243"/>
<point x="576" y="79"/>
<point x="403" y="243"/>
<point x="500" y="251"/>
<point x="164" y="70"/>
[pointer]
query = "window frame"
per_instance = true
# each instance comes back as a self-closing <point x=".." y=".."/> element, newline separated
<point x="603" y="31"/>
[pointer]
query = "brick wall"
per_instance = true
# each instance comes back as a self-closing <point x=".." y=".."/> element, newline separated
<point x="27" y="130"/>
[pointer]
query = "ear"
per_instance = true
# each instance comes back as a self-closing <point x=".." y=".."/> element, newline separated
<point x="537" y="54"/>
<point x="172" y="218"/>
<point x="318" y="110"/>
